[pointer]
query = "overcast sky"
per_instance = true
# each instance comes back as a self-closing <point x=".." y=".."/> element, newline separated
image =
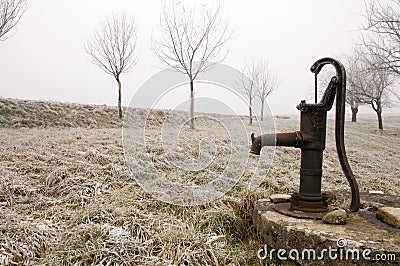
<point x="45" y="58"/>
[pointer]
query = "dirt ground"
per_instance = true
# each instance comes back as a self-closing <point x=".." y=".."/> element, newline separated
<point x="67" y="196"/>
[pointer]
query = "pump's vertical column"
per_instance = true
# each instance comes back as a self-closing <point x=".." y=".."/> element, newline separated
<point x="312" y="124"/>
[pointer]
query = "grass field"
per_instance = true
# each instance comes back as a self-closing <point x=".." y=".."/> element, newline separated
<point x="67" y="196"/>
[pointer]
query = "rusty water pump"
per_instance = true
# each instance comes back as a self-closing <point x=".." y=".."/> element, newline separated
<point x="310" y="202"/>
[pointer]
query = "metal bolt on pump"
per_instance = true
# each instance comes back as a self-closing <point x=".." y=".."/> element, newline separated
<point x="310" y="202"/>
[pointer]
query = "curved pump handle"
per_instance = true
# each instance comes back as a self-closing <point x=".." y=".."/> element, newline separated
<point x="339" y="125"/>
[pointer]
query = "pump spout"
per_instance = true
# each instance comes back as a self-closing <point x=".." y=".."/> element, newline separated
<point x="292" y="139"/>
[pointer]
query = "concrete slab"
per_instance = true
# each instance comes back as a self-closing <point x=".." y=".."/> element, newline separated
<point x="389" y="215"/>
<point x="361" y="241"/>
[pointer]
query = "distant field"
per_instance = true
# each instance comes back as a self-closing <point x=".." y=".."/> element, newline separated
<point x="67" y="196"/>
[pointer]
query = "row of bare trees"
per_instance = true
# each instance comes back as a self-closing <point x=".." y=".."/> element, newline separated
<point x="258" y="81"/>
<point x="190" y="43"/>
<point x="374" y="66"/>
<point x="369" y="83"/>
<point x="192" y="40"/>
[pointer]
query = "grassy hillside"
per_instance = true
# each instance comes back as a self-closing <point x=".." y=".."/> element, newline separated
<point x="67" y="196"/>
<point x="24" y="113"/>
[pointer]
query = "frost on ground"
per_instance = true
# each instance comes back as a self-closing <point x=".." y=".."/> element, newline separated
<point x="67" y="195"/>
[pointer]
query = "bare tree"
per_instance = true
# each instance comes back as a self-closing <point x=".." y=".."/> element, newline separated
<point x="369" y="83"/>
<point x="267" y="83"/>
<point x="112" y="48"/>
<point x="354" y="102"/>
<point x="11" y="12"/>
<point x="382" y="32"/>
<point x="249" y="84"/>
<point x="191" y="41"/>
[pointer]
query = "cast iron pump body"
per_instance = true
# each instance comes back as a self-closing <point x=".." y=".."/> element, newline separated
<point x="309" y="202"/>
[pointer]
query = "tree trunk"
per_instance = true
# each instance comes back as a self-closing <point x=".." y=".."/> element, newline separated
<point x="262" y="110"/>
<point x="380" y="122"/>
<point x="119" y="98"/>
<point x="191" y="112"/>
<point x="354" y="111"/>
<point x="378" y="109"/>
<point x="250" y="114"/>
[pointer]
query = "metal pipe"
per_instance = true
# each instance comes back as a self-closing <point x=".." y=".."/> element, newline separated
<point x="292" y="139"/>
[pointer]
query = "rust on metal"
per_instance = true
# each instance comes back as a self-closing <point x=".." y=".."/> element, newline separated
<point x="293" y="139"/>
<point x="285" y="208"/>
<point x="311" y="140"/>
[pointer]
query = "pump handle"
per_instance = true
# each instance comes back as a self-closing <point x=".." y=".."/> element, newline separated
<point x="339" y="125"/>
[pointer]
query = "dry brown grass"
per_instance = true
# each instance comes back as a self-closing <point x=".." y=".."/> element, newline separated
<point x="67" y="198"/>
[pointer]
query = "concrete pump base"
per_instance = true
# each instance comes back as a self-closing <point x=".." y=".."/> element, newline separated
<point x="364" y="240"/>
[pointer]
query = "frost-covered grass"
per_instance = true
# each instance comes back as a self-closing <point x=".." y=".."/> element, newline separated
<point x="30" y="114"/>
<point x="67" y="196"/>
